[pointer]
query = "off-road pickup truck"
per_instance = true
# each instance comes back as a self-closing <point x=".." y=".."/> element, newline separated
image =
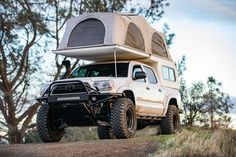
<point x="94" y="96"/>
<point x="132" y="81"/>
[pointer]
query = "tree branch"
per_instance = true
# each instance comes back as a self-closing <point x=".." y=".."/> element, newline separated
<point x="4" y="137"/>
<point x="29" y="111"/>
<point x="30" y="115"/>
<point x="24" y="59"/>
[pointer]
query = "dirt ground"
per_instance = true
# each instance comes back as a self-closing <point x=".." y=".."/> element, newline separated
<point x="136" y="147"/>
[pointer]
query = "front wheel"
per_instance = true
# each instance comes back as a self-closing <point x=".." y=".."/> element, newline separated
<point x="104" y="132"/>
<point x="44" y="127"/>
<point x="123" y="118"/>
<point x="171" y="123"/>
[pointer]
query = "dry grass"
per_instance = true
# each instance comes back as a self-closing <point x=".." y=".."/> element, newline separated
<point x="198" y="142"/>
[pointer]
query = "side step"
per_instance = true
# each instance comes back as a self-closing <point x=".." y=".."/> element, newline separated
<point x="151" y="118"/>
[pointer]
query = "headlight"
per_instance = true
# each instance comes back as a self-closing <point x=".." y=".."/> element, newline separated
<point x="43" y="88"/>
<point x="104" y="85"/>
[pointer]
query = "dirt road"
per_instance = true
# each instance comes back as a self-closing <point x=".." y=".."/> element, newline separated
<point x="136" y="147"/>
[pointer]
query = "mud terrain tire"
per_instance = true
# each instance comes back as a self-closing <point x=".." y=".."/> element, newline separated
<point x="104" y="132"/>
<point x="123" y="118"/>
<point x="45" y="132"/>
<point x="171" y="123"/>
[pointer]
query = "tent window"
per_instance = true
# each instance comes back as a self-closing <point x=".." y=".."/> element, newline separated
<point x="158" y="46"/>
<point x="134" y="38"/>
<point x="87" y="32"/>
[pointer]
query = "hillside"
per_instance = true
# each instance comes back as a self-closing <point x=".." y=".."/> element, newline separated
<point x="197" y="142"/>
<point x="191" y="142"/>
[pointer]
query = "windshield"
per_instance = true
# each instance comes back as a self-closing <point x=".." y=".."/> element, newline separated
<point x="101" y="70"/>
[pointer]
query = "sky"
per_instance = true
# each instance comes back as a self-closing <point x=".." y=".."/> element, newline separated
<point x="206" y="33"/>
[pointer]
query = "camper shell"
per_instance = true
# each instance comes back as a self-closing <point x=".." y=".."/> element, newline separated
<point x="131" y="83"/>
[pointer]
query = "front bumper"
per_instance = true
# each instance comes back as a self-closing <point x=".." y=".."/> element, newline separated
<point x="82" y="93"/>
<point x="84" y="108"/>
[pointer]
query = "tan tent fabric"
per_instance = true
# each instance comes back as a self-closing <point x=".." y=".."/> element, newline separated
<point x="104" y="29"/>
<point x="134" y="38"/>
<point x="158" y="47"/>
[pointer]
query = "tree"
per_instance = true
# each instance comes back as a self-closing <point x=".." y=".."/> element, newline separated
<point x="57" y="13"/>
<point x="21" y="28"/>
<point x="169" y="41"/>
<point x="217" y="102"/>
<point x="194" y="103"/>
<point x="181" y="67"/>
<point x="205" y="104"/>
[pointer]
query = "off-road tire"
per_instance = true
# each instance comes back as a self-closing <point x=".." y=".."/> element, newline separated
<point x="104" y="132"/>
<point x="171" y="123"/>
<point x="45" y="132"/>
<point x="123" y="118"/>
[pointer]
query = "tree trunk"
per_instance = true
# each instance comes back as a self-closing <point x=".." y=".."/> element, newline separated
<point x="190" y="122"/>
<point x="211" y="117"/>
<point x="14" y="135"/>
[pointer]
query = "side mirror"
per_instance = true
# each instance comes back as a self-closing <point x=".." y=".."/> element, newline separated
<point x="139" y="75"/>
<point x="66" y="63"/>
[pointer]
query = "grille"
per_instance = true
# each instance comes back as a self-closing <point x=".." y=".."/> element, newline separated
<point x="68" y="88"/>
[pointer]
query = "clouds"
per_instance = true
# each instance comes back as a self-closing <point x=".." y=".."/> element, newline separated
<point x="204" y="9"/>
<point x="206" y="34"/>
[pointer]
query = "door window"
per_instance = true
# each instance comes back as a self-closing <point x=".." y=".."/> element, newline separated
<point x="150" y="75"/>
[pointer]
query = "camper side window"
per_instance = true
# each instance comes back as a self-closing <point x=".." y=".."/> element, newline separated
<point x="168" y="73"/>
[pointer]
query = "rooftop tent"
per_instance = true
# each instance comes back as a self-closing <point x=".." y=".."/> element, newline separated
<point x="94" y="36"/>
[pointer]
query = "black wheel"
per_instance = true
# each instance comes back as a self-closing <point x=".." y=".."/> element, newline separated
<point x="123" y="118"/>
<point x="45" y="131"/>
<point x="171" y="123"/>
<point x="104" y="132"/>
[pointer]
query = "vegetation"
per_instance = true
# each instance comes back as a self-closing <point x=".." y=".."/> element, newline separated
<point x="205" y="105"/>
<point x="194" y="141"/>
<point x="21" y="28"/>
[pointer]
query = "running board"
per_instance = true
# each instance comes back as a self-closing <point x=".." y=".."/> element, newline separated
<point x="153" y="118"/>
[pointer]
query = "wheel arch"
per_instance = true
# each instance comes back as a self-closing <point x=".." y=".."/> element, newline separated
<point x="129" y="94"/>
<point x="171" y="101"/>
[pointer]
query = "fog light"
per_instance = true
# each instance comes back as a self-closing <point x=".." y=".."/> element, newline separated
<point x="94" y="98"/>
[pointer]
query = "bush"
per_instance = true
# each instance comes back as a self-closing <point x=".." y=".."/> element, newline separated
<point x="199" y="142"/>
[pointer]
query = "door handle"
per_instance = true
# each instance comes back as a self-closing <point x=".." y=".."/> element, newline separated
<point x="147" y="88"/>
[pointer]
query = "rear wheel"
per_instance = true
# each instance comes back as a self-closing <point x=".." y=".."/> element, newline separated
<point x="104" y="132"/>
<point x="123" y="118"/>
<point x="171" y="123"/>
<point x="44" y="127"/>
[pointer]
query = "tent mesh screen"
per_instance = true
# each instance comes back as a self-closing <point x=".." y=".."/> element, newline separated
<point x="87" y="32"/>
<point x="134" y="37"/>
<point x="158" y="46"/>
